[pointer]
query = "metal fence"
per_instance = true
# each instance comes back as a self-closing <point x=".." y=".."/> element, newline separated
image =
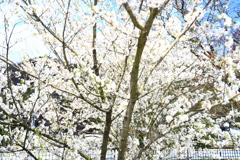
<point x="203" y="154"/>
<point x="44" y="155"/>
<point x="200" y="154"/>
<point x="24" y="156"/>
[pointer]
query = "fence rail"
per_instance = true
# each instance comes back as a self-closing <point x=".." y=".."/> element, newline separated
<point x="203" y="154"/>
<point x="200" y="154"/>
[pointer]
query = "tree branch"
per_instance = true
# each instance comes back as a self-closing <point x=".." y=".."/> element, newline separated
<point x="187" y="27"/>
<point x="133" y="17"/>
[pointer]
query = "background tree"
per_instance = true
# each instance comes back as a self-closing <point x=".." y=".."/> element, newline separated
<point x="147" y="74"/>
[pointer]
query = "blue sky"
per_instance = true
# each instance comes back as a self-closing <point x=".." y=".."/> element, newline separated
<point x="24" y="43"/>
<point x="33" y="46"/>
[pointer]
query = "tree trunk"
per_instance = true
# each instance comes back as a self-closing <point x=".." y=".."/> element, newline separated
<point x="134" y="93"/>
<point x="107" y="127"/>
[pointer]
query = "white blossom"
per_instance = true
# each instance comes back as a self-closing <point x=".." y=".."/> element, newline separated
<point x="122" y="1"/>
<point x="169" y="118"/>
<point x="183" y="118"/>
<point x="155" y="3"/>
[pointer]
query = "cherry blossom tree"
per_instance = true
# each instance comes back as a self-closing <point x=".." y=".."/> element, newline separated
<point x="143" y="76"/>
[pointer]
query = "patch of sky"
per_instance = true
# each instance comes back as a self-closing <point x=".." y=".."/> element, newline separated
<point x="25" y="43"/>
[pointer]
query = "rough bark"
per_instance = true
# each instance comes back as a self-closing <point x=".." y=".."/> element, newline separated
<point x="107" y="128"/>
